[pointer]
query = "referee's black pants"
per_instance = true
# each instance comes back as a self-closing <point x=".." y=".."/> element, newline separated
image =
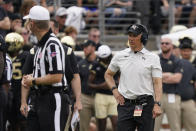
<point x="48" y="112"/>
<point x="127" y="122"/>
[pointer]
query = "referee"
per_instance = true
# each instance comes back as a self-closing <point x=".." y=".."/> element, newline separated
<point x="140" y="79"/>
<point x="49" y="106"/>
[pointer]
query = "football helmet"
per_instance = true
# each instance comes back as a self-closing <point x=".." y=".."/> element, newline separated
<point x="14" y="42"/>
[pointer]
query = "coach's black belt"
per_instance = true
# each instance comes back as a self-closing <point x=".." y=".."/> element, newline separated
<point x="140" y="99"/>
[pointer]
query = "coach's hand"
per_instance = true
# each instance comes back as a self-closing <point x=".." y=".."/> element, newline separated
<point x="156" y="111"/>
<point x="119" y="98"/>
<point x="24" y="109"/>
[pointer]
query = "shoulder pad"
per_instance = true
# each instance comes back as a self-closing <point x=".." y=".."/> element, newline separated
<point x="32" y="51"/>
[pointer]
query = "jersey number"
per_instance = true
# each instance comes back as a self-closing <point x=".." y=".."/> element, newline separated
<point x="17" y="73"/>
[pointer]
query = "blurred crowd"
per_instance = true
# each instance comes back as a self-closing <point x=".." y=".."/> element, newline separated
<point x="82" y="13"/>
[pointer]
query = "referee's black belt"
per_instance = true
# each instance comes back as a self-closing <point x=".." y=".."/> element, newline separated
<point x="50" y="89"/>
<point x="140" y="99"/>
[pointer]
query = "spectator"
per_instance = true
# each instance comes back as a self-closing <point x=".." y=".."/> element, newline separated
<point x="26" y="6"/>
<point x="177" y="28"/>
<point x="91" y="9"/>
<point x="71" y="31"/>
<point x="54" y="25"/>
<point x="26" y="36"/>
<point x="16" y="23"/>
<point x="94" y="35"/>
<point x="8" y="6"/>
<point x="4" y="21"/>
<point x="61" y="15"/>
<point x="172" y="74"/>
<point x="87" y="93"/>
<point x="159" y="14"/>
<point x="105" y="103"/>
<point x="75" y="17"/>
<point x="117" y="9"/>
<point x="185" y="12"/>
<point x="186" y="87"/>
<point x="143" y="6"/>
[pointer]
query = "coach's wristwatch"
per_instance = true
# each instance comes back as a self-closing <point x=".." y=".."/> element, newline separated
<point x="114" y="87"/>
<point x="157" y="102"/>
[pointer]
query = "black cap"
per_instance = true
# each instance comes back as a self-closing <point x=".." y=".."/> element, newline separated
<point x="186" y="42"/>
<point x="15" y="16"/>
<point x="87" y="43"/>
<point x="137" y="29"/>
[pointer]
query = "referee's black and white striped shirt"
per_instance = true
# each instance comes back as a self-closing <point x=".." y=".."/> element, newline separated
<point x="8" y="69"/>
<point x="50" y="58"/>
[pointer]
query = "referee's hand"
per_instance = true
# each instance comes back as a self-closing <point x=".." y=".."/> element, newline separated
<point x="24" y="109"/>
<point x="119" y="98"/>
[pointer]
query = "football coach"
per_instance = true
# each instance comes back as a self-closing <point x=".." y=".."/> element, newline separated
<point x="140" y="87"/>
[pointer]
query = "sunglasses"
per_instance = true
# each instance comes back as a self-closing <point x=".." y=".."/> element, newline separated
<point x="167" y="43"/>
<point x="64" y="16"/>
<point x="96" y="36"/>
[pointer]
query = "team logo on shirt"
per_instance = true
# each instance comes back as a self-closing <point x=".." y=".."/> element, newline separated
<point x="53" y="54"/>
<point x="134" y="27"/>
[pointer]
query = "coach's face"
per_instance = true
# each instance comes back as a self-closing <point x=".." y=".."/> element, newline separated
<point x="134" y="40"/>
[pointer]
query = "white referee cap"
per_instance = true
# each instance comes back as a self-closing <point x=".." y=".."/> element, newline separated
<point x="104" y="51"/>
<point x="38" y="13"/>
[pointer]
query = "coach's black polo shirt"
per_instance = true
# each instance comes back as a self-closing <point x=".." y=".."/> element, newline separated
<point x="186" y="86"/>
<point x="172" y="65"/>
<point x="84" y="70"/>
